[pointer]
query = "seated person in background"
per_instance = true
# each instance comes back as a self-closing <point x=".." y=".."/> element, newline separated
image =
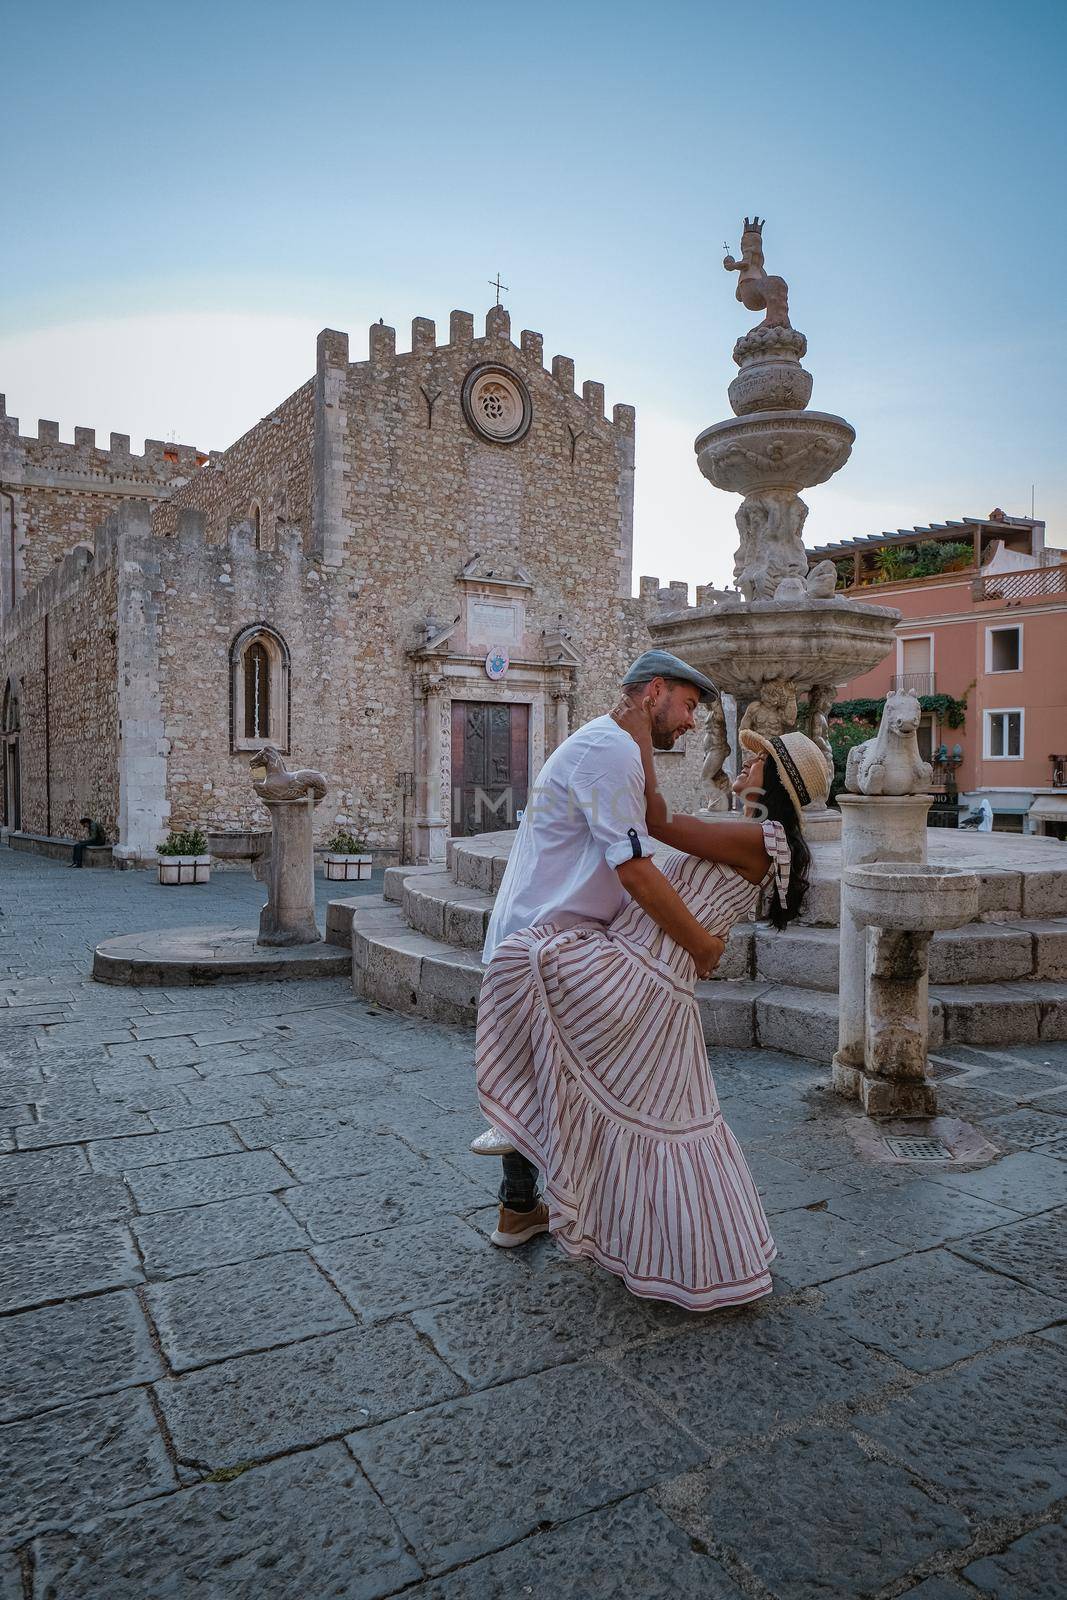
<point x="94" y="834"/>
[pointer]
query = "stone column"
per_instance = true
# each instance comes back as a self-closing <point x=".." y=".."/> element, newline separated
<point x="897" y="1027"/>
<point x="289" y="914"/>
<point x="431" y="828"/>
<point x="561" y="699"/>
<point x="873" y="828"/>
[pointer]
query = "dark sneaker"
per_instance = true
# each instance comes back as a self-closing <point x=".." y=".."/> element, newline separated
<point x="515" y="1227"/>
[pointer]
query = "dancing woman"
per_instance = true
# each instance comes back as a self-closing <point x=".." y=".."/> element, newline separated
<point x="590" y="1054"/>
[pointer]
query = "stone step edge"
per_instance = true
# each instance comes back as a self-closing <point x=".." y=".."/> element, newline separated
<point x="394" y="966"/>
<point x="754" y="950"/>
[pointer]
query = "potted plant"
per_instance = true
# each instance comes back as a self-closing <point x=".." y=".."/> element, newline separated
<point x="347" y="858"/>
<point x="183" y="858"/>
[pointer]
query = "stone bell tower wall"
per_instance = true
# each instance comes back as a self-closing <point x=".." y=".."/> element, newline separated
<point x="54" y="494"/>
<point x="408" y="492"/>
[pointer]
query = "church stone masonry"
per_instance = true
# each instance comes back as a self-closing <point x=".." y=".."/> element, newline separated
<point x="414" y="573"/>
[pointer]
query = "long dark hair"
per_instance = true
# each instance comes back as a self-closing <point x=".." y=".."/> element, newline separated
<point x="780" y="808"/>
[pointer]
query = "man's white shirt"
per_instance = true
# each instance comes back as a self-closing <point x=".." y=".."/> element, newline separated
<point x="584" y="818"/>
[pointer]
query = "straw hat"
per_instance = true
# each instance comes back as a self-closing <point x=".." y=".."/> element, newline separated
<point x="801" y="765"/>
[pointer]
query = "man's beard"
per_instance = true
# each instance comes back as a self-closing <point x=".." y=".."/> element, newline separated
<point x="663" y="735"/>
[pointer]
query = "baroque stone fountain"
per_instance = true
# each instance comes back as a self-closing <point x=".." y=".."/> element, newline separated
<point x="785" y="636"/>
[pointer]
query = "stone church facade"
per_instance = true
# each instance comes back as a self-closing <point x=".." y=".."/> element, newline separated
<point x="414" y="573"/>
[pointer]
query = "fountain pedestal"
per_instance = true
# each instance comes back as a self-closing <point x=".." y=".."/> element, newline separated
<point x="892" y="903"/>
<point x="289" y="915"/>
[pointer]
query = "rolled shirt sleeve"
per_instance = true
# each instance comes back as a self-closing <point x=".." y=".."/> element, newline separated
<point x="608" y="787"/>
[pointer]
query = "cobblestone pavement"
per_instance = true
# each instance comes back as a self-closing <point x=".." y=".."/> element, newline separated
<point x="254" y="1342"/>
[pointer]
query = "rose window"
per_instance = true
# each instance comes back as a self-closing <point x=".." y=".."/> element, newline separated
<point x="497" y="405"/>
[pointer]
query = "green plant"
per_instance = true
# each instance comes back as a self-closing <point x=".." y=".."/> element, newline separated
<point x="935" y="557"/>
<point x="193" y="842"/>
<point x="949" y="709"/>
<point x="347" y="844"/>
<point x="843" y="736"/>
<point x="895" y="561"/>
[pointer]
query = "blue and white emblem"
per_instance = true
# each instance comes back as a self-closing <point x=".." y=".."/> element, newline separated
<point x="497" y="663"/>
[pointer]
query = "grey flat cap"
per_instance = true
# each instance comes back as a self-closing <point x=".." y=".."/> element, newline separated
<point x="661" y="664"/>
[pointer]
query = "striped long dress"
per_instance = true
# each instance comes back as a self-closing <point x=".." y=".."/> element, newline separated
<point x="591" y="1057"/>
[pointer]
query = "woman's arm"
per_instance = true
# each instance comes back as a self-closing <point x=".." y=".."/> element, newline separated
<point x="735" y="844"/>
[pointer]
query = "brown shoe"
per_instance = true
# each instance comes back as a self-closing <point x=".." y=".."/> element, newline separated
<point x="515" y="1227"/>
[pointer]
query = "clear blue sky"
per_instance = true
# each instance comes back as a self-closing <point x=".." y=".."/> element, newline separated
<point x="193" y="191"/>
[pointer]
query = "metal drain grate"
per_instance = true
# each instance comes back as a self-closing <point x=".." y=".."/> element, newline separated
<point x="918" y="1149"/>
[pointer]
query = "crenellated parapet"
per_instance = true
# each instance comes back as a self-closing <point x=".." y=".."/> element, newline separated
<point x="44" y="460"/>
<point x="382" y="354"/>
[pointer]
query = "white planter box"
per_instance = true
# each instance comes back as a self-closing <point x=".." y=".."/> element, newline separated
<point x="346" y="869"/>
<point x="184" y="869"/>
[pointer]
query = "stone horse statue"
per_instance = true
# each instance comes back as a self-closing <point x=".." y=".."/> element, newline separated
<point x="755" y="289"/>
<point x="890" y="763"/>
<point x="281" y="784"/>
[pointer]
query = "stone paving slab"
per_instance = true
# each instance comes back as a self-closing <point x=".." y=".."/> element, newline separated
<point x="630" y="1551"/>
<point x="537" y="1320"/>
<point x="341" y="1208"/>
<point x="747" y="1372"/>
<point x="1027" y="1183"/>
<point x="178" y="1242"/>
<point x="109" y="1121"/>
<point x="867" y="1519"/>
<point x="302" y="1069"/>
<point x="66" y="1465"/>
<point x="933" y="1309"/>
<point x="940" y="1589"/>
<point x="10" y="1578"/>
<point x="919" y="1214"/>
<point x="541" y="1449"/>
<point x="816" y="1246"/>
<point x="34" y="1271"/>
<point x="986" y="1457"/>
<point x="45" y="1166"/>
<point x="1034" y="1251"/>
<point x="1034" y="1566"/>
<point x="351" y="1152"/>
<point x="1028" y="1129"/>
<point x="196" y="1182"/>
<point x="785" y="1187"/>
<point x="303" y="1394"/>
<point x="423" y="1264"/>
<point x="233" y="1310"/>
<point x="160" y="1149"/>
<point x="66" y="1352"/>
<point x="296" y="1529"/>
<point x="41" y="1208"/>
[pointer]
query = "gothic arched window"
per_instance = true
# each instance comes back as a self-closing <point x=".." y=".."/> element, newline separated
<point x="255" y="516"/>
<point x="259" y="689"/>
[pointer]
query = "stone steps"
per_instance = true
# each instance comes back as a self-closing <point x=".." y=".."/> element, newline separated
<point x="1000" y="980"/>
<point x="394" y="965"/>
<point x="978" y="953"/>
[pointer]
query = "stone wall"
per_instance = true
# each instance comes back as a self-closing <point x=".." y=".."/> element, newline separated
<point x="375" y="497"/>
<point x="56" y="494"/>
<point x="59" y="647"/>
<point x="267" y="470"/>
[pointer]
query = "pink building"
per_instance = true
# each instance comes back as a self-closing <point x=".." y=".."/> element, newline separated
<point x="984" y="606"/>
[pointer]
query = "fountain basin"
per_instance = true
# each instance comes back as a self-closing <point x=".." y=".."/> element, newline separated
<point x="741" y="647"/>
<point x="910" y="898"/>
<point x="774" y="450"/>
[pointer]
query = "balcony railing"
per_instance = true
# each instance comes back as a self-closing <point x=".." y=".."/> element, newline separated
<point x="1033" y="583"/>
<point x="915" y="682"/>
